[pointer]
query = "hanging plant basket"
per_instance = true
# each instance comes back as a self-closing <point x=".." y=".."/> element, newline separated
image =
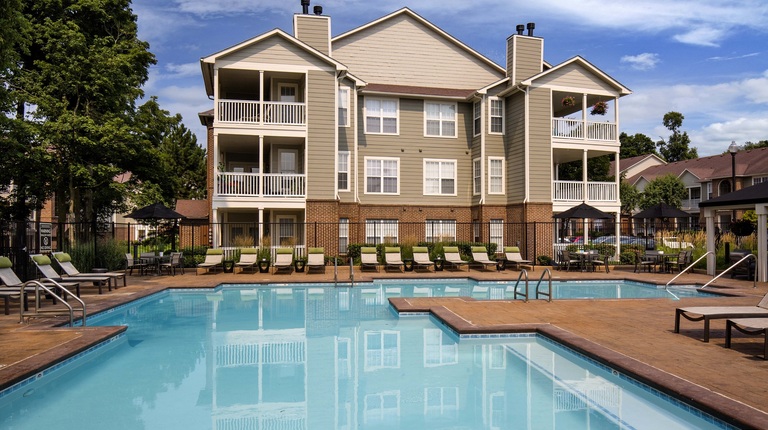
<point x="569" y="101"/>
<point x="742" y="228"/>
<point x="600" y="108"/>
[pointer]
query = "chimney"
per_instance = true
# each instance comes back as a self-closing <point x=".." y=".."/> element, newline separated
<point x="318" y="10"/>
<point x="525" y="54"/>
<point x="314" y="30"/>
<point x="531" y="26"/>
<point x="305" y="7"/>
<point x="520" y="28"/>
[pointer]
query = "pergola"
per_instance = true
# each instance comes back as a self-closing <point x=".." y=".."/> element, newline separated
<point x="754" y="197"/>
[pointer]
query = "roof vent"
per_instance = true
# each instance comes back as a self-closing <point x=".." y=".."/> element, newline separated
<point x="318" y="10"/>
<point x="531" y="26"/>
<point x="519" y="28"/>
<point x="305" y="6"/>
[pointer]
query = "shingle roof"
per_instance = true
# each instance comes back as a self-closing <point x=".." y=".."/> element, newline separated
<point x="748" y="163"/>
<point x="626" y="163"/>
<point x="193" y="209"/>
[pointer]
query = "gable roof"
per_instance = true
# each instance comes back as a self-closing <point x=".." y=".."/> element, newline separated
<point x="585" y="64"/>
<point x="436" y="29"/>
<point x="629" y="162"/>
<point x="192" y="209"/>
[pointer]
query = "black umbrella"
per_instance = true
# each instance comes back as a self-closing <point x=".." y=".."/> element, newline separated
<point x="662" y="210"/>
<point x="583" y="211"/>
<point x="155" y="211"/>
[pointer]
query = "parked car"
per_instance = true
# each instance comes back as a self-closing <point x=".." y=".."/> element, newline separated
<point x="625" y="240"/>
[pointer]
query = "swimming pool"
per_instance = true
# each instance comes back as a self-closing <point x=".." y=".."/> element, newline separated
<point x="288" y="357"/>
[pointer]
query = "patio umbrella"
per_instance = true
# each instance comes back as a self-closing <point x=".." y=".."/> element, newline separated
<point x="157" y="211"/>
<point x="583" y="211"/>
<point x="661" y="211"/>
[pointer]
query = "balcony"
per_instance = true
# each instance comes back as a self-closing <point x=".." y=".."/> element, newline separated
<point x="690" y="204"/>
<point x="262" y="113"/>
<point x="277" y="185"/>
<point x="574" y="129"/>
<point x="573" y="191"/>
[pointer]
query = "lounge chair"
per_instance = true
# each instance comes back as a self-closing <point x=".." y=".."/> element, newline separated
<point x="421" y="258"/>
<point x="176" y="261"/>
<point x="249" y="260"/>
<point x="749" y="326"/>
<point x="368" y="258"/>
<point x="131" y="264"/>
<point x="708" y="313"/>
<point x="480" y="257"/>
<point x="512" y="254"/>
<point x="452" y="257"/>
<point x="283" y="259"/>
<point x="315" y="259"/>
<point x="43" y="264"/>
<point x="12" y="285"/>
<point x="392" y="258"/>
<point x="65" y="262"/>
<point x="214" y="258"/>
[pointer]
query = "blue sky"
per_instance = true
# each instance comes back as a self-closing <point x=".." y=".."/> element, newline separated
<point x="707" y="59"/>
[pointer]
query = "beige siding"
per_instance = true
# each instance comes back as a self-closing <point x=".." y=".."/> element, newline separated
<point x="575" y="76"/>
<point x="524" y="56"/>
<point x="514" y="144"/>
<point x="403" y="51"/>
<point x="321" y="147"/>
<point x="411" y="147"/>
<point x="315" y="31"/>
<point x="275" y="50"/>
<point x="540" y="145"/>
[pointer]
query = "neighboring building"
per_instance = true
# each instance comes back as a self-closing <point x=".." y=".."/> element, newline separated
<point x="629" y="167"/>
<point x="396" y="121"/>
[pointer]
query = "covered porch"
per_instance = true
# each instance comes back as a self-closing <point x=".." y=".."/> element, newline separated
<point x="260" y="98"/>
<point x="567" y="188"/>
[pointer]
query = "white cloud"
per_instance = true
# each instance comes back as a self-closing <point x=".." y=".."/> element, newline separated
<point x="183" y="70"/>
<point x="644" y="61"/>
<point x="703" y="36"/>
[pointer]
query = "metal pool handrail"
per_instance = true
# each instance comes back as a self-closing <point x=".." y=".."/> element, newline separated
<point x="55" y="312"/>
<point x="686" y="269"/>
<point x="754" y="280"/>
<point x="541" y="278"/>
<point x="522" y="272"/>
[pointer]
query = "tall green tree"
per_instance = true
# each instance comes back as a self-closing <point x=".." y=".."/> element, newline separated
<point x="597" y="169"/>
<point x="83" y="73"/>
<point x="630" y="197"/>
<point x="667" y="189"/>
<point x="755" y="145"/>
<point x="676" y="147"/>
<point x="637" y="144"/>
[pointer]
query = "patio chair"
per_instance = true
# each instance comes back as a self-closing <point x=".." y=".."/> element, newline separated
<point x="283" y="259"/>
<point x="368" y="258"/>
<point x="392" y="258"/>
<point x="316" y="259"/>
<point x="599" y="260"/>
<point x="480" y="257"/>
<point x="176" y="261"/>
<point x="678" y="264"/>
<point x="214" y="258"/>
<point x="12" y="284"/>
<point x="649" y="260"/>
<point x="421" y="258"/>
<point x="512" y="254"/>
<point x="43" y="264"/>
<point x="131" y="264"/>
<point x="708" y="313"/>
<point x="249" y="259"/>
<point x="568" y="261"/>
<point x="453" y="258"/>
<point x="65" y="262"/>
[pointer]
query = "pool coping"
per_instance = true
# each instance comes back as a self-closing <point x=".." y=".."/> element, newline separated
<point x="723" y="408"/>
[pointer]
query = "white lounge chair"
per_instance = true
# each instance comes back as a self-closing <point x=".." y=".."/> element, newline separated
<point x="480" y="257"/>
<point x="315" y="259"/>
<point x="421" y="257"/>
<point x="453" y="258"/>
<point x="214" y="258"/>
<point x="392" y="258"/>
<point x="749" y="326"/>
<point x="249" y="258"/>
<point x="283" y="259"/>
<point x="368" y="258"/>
<point x="65" y="262"/>
<point x="708" y="313"/>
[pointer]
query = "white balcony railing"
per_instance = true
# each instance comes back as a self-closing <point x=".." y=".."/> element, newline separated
<point x="248" y="184"/>
<point x="260" y="113"/>
<point x="573" y="191"/>
<point x="566" y="128"/>
<point x="690" y="204"/>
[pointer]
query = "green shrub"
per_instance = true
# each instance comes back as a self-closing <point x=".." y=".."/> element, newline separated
<point x="193" y="255"/>
<point x="544" y="260"/>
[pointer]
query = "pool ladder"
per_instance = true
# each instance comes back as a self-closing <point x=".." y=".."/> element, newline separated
<point x="38" y="312"/>
<point x="524" y="272"/>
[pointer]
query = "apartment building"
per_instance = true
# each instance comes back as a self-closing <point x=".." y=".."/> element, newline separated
<point x="397" y="121"/>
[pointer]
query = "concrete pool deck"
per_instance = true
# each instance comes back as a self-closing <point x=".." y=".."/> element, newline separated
<point x="627" y="333"/>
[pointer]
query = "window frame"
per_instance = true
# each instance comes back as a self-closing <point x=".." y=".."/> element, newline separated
<point x="477" y="176"/>
<point x="343" y="235"/>
<point x="366" y="115"/>
<point x="440" y="179"/>
<point x="496" y="233"/>
<point x="491" y="176"/>
<point x="491" y="116"/>
<point x="345" y="99"/>
<point x="382" y="361"/>
<point x="339" y="171"/>
<point x="441" y="227"/>
<point x="759" y="179"/>
<point x="381" y="159"/>
<point x="381" y="237"/>
<point x="477" y="118"/>
<point x="440" y="120"/>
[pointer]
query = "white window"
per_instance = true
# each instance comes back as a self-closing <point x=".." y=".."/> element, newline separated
<point x="381" y="116"/>
<point x="709" y="190"/>
<point x="496" y="107"/>
<point x="476" y="175"/>
<point x="382" y="350"/>
<point x="343" y="171"/>
<point x="497" y="233"/>
<point x="495" y="175"/>
<point x="381" y="175"/>
<point x="440" y="230"/>
<point x="343" y="107"/>
<point x="441" y="402"/>
<point x="440" y="119"/>
<point x="382" y="407"/>
<point x="759" y="180"/>
<point x="497" y="357"/>
<point x="380" y="231"/>
<point x="439" y="349"/>
<point x="439" y="177"/>
<point x="477" y="123"/>
<point x="343" y="362"/>
<point x="343" y="235"/>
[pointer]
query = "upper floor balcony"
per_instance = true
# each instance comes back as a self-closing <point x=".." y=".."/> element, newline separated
<point x="268" y="185"/>
<point x="262" y="113"/>
<point x="567" y="128"/>
<point x="584" y="118"/>
<point x="579" y="191"/>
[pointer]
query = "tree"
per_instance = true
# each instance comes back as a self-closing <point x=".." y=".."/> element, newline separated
<point x="630" y="197"/>
<point x="755" y="145"/>
<point x="597" y="169"/>
<point x="676" y="148"/>
<point x="638" y="144"/>
<point x="667" y="189"/>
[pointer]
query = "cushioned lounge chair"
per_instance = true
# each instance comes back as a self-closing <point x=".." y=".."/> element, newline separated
<point x="43" y="264"/>
<point x="249" y="259"/>
<point x="392" y="258"/>
<point x="65" y="262"/>
<point x="749" y="326"/>
<point x="452" y="257"/>
<point x="283" y="259"/>
<point x="708" y="313"/>
<point x="368" y="258"/>
<point x="214" y="258"/>
<point x="512" y="254"/>
<point x="480" y="257"/>
<point x="315" y="259"/>
<point x="421" y="258"/>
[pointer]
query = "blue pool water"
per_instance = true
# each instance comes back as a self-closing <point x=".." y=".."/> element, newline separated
<point x="280" y="357"/>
